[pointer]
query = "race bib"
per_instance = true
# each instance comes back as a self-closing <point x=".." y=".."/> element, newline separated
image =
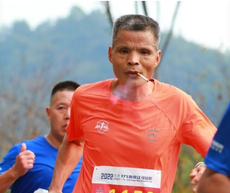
<point x="108" y="179"/>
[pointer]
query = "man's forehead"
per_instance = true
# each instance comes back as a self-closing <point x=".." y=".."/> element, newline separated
<point x="64" y="95"/>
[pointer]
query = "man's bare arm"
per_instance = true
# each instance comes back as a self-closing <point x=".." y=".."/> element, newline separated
<point x="213" y="182"/>
<point x="68" y="157"/>
<point x="23" y="162"/>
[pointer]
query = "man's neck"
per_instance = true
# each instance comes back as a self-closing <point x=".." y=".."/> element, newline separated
<point x="132" y="93"/>
<point x="53" y="141"/>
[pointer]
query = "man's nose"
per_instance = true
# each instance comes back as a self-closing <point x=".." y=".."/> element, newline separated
<point x="133" y="58"/>
<point x="67" y="113"/>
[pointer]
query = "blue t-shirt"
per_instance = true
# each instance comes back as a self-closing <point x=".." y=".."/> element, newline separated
<point x="40" y="175"/>
<point x="218" y="157"/>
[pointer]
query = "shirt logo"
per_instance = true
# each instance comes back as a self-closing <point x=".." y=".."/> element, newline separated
<point x="99" y="190"/>
<point x="152" y="134"/>
<point x="216" y="146"/>
<point x="102" y="126"/>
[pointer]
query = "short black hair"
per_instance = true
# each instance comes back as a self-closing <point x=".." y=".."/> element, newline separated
<point x="136" y="22"/>
<point x="64" y="85"/>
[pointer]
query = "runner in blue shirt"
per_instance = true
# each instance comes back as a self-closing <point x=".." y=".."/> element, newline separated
<point x="29" y="165"/>
<point x="216" y="178"/>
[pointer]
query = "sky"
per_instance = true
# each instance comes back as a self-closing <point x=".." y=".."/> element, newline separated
<point x="203" y="22"/>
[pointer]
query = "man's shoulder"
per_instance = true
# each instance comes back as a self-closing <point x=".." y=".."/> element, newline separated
<point x="38" y="139"/>
<point x="169" y="90"/>
<point x="96" y="85"/>
<point x="38" y="143"/>
<point x="15" y="149"/>
<point x="92" y="90"/>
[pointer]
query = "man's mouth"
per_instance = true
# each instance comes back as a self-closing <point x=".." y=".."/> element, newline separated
<point x="64" y="126"/>
<point x="132" y="72"/>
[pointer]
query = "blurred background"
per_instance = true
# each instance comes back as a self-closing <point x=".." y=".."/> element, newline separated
<point x="44" y="42"/>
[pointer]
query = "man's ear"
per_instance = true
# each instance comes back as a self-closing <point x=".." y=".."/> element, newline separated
<point x="158" y="58"/>
<point x="48" y="112"/>
<point x="110" y="54"/>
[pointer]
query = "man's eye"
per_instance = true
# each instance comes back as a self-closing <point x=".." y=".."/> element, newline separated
<point x="123" y="51"/>
<point x="144" y="51"/>
<point x="61" y="108"/>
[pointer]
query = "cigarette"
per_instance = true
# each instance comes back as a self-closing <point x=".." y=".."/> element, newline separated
<point x="143" y="77"/>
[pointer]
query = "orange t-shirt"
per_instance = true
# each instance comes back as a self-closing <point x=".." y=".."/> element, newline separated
<point x="137" y="134"/>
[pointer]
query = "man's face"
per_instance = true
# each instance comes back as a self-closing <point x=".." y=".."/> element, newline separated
<point x="59" y="113"/>
<point x="132" y="52"/>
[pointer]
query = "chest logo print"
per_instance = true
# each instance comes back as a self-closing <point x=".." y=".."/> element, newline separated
<point x="152" y="135"/>
<point x="102" y="126"/>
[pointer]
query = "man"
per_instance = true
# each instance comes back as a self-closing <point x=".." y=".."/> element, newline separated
<point x="216" y="177"/>
<point x="131" y="127"/>
<point x="29" y="166"/>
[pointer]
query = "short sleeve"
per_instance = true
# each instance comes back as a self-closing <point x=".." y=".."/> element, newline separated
<point x="9" y="159"/>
